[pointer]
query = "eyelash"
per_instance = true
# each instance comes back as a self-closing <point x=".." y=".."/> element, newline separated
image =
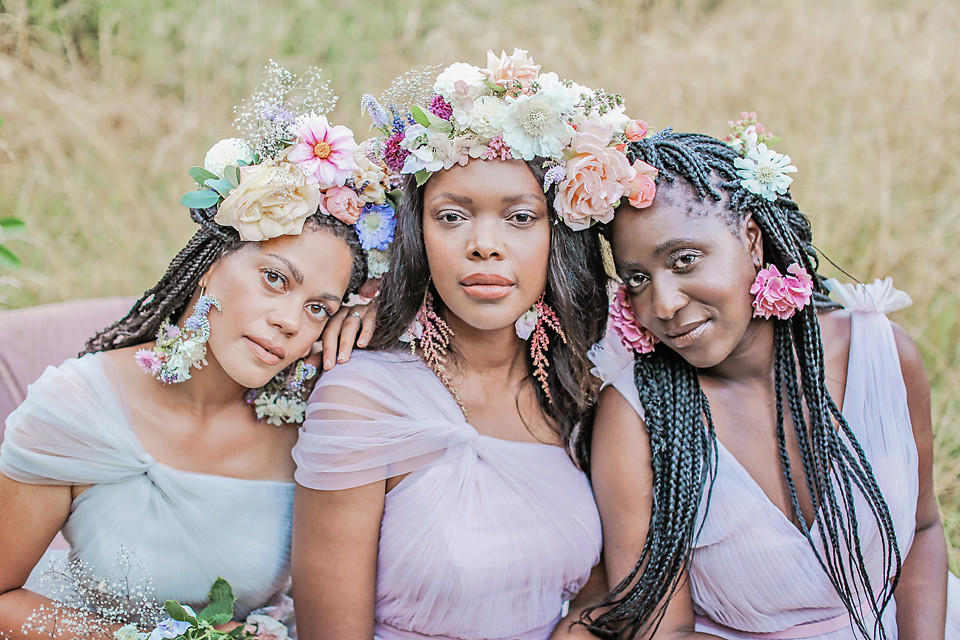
<point x="326" y="312"/>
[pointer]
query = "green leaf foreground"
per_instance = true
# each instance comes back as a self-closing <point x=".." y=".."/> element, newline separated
<point x="176" y="611"/>
<point x="200" y="199"/>
<point x="419" y="116"/>
<point x="493" y="86"/>
<point x="201" y="175"/>
<point x="232" y="173"/>
<point x="422" y="176"/>
<point x="221" y="185"/>
<point x="220" y="609"/>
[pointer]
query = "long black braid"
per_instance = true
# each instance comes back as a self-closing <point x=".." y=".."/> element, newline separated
<point x="168" y="299"/>
<point x="683" y="446"/>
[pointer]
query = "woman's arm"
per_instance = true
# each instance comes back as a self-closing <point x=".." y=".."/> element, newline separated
<point x="921" y="595"/>
<point x="591" y="593"/>
<point x="336" y="536"/>
<point x="623" y="485"/>
<point x="32" y="515"/>
<point x="347" y="325"/>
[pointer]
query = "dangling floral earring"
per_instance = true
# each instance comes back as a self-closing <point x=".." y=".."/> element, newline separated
<point x="533" y="324"/>
<point x="282" y="400"/>
<point x="632" y="334"/>
<point x="430" y="334"/>
<point x="179" y="350"/>
<point x="778" y="295"/>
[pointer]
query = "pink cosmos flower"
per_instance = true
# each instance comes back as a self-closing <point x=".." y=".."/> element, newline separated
<point x="342" y="203"/>
<point x="322" y="151"/>
<point x="643" y="187"/>
<point x="624" y="322"/>
<point x="779" y="295"/>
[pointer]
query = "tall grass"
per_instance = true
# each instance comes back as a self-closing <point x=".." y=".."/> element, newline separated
<point x="106" y="104"/>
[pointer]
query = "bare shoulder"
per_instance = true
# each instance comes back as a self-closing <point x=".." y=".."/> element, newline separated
<point x="835" y="330"/>
<point x="911" y="362"/>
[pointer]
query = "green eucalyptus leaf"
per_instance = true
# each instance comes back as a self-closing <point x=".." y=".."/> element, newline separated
<point x="493" y="86"/>
<point x="201" y="175"/>
<point x="176" y="611"/>
<point x="395" y="198"/>
<point x="220" y="609"/>
<point x="222" y="186"/>
<point x="422" y="176"/>
<point x="12" y="226"/>
<point x="242" y="163"/>
<point x="232" y="173"/>
<point x="8" y="259"/>
<point x="419" y="116"/>
<point x="200" y="199"/>
<point x="438" y="123"/>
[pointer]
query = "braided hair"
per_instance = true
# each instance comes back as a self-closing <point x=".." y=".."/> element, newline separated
<point x="170" y="296"/>
<point x="683" y="446"/>
<point x="575" y="290"/>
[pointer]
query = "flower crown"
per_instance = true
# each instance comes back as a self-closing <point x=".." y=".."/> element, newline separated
<point x="290" y="163"/>
<point x="511" y="110"/>
<point x="762" y="170"/>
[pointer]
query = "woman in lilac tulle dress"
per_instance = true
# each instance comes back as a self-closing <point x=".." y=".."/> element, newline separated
<point x="438" y="498"/>
<point x="763" y="461"/>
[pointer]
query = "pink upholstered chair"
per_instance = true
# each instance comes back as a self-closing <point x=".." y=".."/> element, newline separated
<point x="34" y="338"/>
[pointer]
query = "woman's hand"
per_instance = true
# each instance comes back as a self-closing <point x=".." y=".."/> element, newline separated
<point x="348" y="326"/>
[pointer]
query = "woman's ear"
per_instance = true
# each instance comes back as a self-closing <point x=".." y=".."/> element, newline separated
<point x="754" y="238"/>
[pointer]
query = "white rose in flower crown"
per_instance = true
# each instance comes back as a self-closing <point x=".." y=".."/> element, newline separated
<point x="598" y="175"/>
<point x="227" y="151"/>
<point x="371" y="177"/>
<point x="460" y="84"/>
<point x="272" y="200"/>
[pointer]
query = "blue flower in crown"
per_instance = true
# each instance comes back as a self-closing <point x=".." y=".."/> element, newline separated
<point x="376" y="226"/>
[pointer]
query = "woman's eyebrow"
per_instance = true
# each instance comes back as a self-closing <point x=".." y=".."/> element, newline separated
<point x="297" y="274"/>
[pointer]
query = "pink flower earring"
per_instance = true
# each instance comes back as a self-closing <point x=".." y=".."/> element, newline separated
<point x="632" y="334"/>
<point x="543" y="316"/>
<point x="778" y="295"/>
<point x="430" y="335"/>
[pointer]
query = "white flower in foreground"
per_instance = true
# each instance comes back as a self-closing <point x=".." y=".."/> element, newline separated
<point x="227" y="151"/>
<point x="763" y="172"/>
<point x="537" y="125"/>
<point x="460" y="84"/>
<point x="486" y="117"/>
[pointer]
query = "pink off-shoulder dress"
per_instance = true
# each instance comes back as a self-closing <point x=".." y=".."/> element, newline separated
<point x="485" y="539"/>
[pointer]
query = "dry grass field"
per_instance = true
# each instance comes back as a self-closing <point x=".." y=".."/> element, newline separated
<point x="105" y="104"/>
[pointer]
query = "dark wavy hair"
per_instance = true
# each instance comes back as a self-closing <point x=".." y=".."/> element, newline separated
<point x="575" y="290"/>
<point x="683" y="441"/>
<point x="168" y="299"/>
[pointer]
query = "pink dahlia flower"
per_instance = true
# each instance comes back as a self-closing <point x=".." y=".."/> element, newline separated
<point x="624" y="322"/>
<point x="322" y="151"/>
<point x="779" y="295"/>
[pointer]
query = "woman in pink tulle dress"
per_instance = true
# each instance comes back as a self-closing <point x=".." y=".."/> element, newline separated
<point x="438" y="498"/>
<point x="763" y="461"/>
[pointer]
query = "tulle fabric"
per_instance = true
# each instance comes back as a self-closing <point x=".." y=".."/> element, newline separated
<point x="752" y="570"/>
<point x="485" y="539"/>
<point x="185" y="528"/>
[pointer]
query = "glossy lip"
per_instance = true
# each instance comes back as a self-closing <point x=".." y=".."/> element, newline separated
<point x="487" y="286"/>
<point x="267" y="351"/>
<point x="687" y="334"/>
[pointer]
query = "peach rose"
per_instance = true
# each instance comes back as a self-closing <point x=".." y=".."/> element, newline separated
<point x="342" y="203"/>
<point x="598" y="175"/>
<point x="643" y="187"/>
<point x="272" y="200"/>
<point x="506" y="70"/>
<point x="635" y="130"/>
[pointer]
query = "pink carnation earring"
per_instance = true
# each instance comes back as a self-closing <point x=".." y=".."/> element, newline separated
<point x="781" y="295"/>
<point x="430" y="334"/>
<point x="632" y="334"/>
<point x="533" y="325"/>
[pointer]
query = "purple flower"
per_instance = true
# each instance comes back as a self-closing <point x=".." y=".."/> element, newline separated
<point x="554" y="175"/>
<point x="369" y="104"/>
<point x="148" y="360"/>
<point x="169" y="628"/>
<point x="393" y="154"/>
<point x="440" y="107"/>
<point x="376" y="226"/>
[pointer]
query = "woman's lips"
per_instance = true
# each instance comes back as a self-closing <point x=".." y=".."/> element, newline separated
<point x="487" y="286"/>
<point x="687" y="335"/>
<point x="265" y="350"/>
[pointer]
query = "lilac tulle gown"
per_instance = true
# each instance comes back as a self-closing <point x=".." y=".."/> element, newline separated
<point x="485" y="539"/>
<point x="753" y="574"/>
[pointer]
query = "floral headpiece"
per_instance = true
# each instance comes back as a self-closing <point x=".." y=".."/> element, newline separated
<point x="511" y="110"/>
<point x="762" y="170"/>
<point x="290" y="162"/>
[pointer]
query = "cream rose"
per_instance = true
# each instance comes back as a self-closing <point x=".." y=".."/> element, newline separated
<point x="342" y="203"/>
<point x="371" y="178"/>
<point x="272" y="200"/>
<point x="597" y="177"/>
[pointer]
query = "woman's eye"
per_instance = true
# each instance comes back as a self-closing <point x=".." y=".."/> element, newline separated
<point x="449" y="216"/>
<point x="635" y="280"/>
<point x="275" y="279"/>
<point x="685" y="260"/>
<point x="318" y="311"/>
<point x="523" y="217"/>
